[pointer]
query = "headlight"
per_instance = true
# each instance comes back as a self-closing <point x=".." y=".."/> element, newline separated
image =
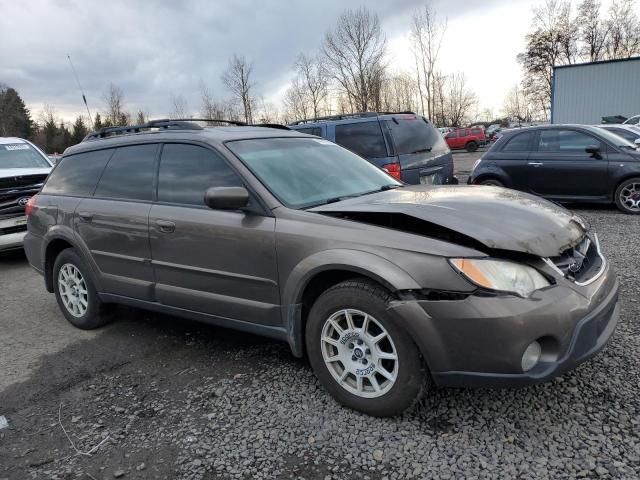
<point x="501" y="275"/>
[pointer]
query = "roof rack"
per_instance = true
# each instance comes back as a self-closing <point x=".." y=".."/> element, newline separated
<point x="347" y="116"/>
<point x="270" y="125"/>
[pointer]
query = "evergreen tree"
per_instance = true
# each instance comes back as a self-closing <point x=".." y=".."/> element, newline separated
<point x="80" y="131"/>
<point x="97" y="123"/>
<point x="15" y="119"/>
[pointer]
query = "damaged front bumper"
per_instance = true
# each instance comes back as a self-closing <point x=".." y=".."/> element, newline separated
<point x="480" y="341"/>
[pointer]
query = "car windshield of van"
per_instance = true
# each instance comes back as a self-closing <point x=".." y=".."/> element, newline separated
<point x="307" y="172"/>
<point x="412" y="134"/>
<point x="21" y="155"/>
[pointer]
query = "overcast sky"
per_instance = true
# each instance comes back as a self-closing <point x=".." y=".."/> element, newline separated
<point x="155" y="49"/>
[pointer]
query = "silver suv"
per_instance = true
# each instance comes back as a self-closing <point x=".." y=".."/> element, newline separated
<point x="380" y="284"/>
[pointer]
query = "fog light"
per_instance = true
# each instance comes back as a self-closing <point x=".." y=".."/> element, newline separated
<point x="531" y="356"/>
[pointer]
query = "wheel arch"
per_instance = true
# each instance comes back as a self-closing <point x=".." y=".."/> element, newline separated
<point x="57" y="240"/>
<point x="317" y="273"/>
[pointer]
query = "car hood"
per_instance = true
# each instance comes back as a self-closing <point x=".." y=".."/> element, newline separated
<point x="20" y="172"/>
<point x="498" y="218"/>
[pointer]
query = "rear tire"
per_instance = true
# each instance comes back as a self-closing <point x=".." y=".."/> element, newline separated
<point x="76" y="294"/>
<point x="627" y="196"/>
<point x="491" y="182"/>
<point x="472" y="147"/>
<point x="380" y="377"/>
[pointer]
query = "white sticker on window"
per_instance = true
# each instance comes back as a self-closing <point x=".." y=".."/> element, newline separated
<point x="21" y="146"/>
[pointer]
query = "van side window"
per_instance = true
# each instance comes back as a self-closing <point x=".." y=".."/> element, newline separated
<point x="317" y="131"/>
<point x="187" y="171"/>
<point x="77" y="174"/>
<point x="129" y="173"/>
<point x="363" y="138"/>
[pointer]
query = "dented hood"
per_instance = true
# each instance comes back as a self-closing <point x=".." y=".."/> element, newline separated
<point x="498" y="218"/>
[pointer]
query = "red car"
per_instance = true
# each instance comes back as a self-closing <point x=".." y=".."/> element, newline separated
<point x="467" y="138"/>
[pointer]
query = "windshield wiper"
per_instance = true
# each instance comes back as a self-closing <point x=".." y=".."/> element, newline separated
<point x="422" y="150"/>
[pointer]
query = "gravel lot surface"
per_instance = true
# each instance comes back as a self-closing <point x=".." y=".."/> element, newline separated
<point x="152" y="396"/>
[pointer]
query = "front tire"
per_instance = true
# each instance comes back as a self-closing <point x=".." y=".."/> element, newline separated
<point x="359" y="354"/>
<point x="472" y="147"/>
<point x="76" y="294"/>
<point x="627" y="196"/>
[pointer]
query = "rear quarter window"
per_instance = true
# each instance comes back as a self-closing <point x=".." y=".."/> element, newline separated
<point x="77" y="174"/>
<point x="363" y="138"/>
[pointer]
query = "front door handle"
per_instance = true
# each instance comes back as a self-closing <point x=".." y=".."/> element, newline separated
<point x="165" y="226"/>
<point x="85" y="216"/>
<point x="535" y="164"/>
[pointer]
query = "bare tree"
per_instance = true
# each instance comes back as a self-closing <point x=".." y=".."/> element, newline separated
<point x="115" y="113"/>
<point x="141" y="117"/>
<point x="211" y="108"/>
<point x="314" y="78"/>
<point x="459" y="100"/>
<point x="517" y="105"/>
<point x="427" y="33"/>
<point x="179" y="107"/>
<point x="354" y="53"/>
<point x="624" y="30"/>
<point x="297" y="103"/>
<point x="237" y="78"/>
<point x="552" y="41"/>
<point x="400" y="93"/>
<point x="267" y="112"/>
<point x="592" y="30"/>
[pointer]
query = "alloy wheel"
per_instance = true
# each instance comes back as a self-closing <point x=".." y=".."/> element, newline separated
<point x="630" y="196"/>
<point x="359" y="353"/>
<point x="73" y="290"/>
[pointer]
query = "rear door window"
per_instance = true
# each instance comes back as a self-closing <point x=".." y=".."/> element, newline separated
<point x="519" y="143"/>
<point x="129" y="174"/>
<point x="77" y="174"/>
<point x="414" y="135"/>
<point x="187" y="171"/>
<point x="363" y="138"/>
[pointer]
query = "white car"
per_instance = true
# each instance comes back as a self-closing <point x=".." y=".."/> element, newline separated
<point x="626" y="131"/>
<point x="23" y="170"/>
<point x="635" y="120"/>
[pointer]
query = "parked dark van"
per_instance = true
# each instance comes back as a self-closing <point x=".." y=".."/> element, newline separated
<point x="406" y="145"/>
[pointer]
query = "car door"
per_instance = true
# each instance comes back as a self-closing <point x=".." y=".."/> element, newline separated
<point x="561" y="168"/>
<point x="217" y="262"/>
<point x="114" y="222"/>
<point x="511" y="159"/>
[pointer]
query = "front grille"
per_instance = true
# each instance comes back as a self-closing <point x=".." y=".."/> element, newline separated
<point x="14" y="196"/>
<point x="580" y="263"/>
<point x="14" y="229"/>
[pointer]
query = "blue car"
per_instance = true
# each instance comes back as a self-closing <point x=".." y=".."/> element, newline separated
<point x="404" y="144"/>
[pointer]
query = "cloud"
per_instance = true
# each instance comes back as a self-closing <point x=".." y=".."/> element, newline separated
<point x="154" y="49"/>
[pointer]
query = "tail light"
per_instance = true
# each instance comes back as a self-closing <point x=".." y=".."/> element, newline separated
<point x="393" y="169"/>
<point x="30" y="206"/>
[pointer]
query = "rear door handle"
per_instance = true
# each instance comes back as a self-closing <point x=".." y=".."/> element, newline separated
<point x="85" y="216"/>
<point x="165" y="226"/>
<point x="535" y="164"/>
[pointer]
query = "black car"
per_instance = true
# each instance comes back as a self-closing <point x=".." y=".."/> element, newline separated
<point x="565" y="163"/>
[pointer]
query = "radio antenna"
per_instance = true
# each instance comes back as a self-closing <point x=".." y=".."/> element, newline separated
<point x="84" y="98"/>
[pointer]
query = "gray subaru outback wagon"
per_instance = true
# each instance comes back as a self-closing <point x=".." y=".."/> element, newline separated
<point x="381" y="285"/>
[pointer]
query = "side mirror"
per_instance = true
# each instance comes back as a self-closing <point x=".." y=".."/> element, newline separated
<point x="226" y="198"/>
<point x="593" y="150"/>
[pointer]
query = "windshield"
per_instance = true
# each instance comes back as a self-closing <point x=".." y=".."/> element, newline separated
<point x="616" y="140"/>
<point x="21" y="155"/>
<point x="412" y="134"/>
<point x="305" y="172"/>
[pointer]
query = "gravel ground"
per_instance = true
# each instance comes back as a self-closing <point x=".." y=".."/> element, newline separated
<point x="175" y="399"/>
